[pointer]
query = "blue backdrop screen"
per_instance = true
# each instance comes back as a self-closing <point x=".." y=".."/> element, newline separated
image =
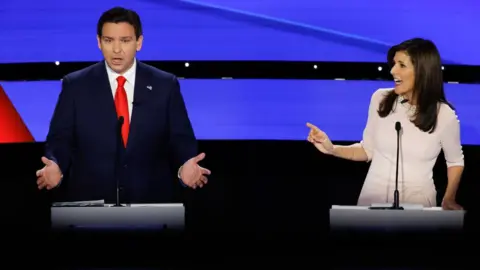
<point x="339" y="30"/>
<point x="261" y="109"/>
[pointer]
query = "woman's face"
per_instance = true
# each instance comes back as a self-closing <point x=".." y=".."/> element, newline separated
<point x="403" y="73"/>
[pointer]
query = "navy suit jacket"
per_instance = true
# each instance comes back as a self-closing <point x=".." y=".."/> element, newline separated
<point x="84" y="138"/>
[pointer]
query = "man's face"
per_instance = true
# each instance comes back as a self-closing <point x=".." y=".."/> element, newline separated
<point x="119" y="45"/>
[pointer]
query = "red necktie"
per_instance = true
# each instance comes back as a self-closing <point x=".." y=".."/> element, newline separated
<point x="121" y="104"/>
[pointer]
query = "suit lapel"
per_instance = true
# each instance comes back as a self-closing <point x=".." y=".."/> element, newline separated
<point x="141" y="93"/>
<point x="103" y="93"/>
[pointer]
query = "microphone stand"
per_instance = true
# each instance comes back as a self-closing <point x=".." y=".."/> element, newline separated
<point x="396" y="193"/>
<point x="117" y="160"/>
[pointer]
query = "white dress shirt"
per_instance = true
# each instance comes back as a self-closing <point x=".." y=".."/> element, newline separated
<point x="129" y="84"/>
<point x="418" y="153"/>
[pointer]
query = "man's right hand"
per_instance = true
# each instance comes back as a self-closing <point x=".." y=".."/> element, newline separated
<point x="50" y="176"/>
<point x="320" y="139"/>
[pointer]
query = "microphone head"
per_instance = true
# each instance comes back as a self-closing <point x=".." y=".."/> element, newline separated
<point x="398" y="126"/>
<point x="120" y="120"/>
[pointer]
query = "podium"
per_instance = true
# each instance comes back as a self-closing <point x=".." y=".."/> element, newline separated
<point x="414" y="235"/>
<point x="413" y="218"/>
<point x="135" y="216"/>
<point x="93" y="234"/>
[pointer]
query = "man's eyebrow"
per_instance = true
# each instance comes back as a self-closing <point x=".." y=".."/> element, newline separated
<point x="121" y="38"/>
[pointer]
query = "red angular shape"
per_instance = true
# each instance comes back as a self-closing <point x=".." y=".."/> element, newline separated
<point x="12" y="127"/>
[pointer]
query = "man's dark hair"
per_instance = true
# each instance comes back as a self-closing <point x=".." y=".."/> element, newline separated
<point x="118" y="15"/>
<point x="428" y="89"/>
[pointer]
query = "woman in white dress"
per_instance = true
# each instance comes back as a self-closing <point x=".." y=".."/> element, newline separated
<point x="429" y="124"/>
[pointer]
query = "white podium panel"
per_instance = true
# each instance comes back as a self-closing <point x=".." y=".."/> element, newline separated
<point x="161" y="216"/>
<point x="412" y="218"/>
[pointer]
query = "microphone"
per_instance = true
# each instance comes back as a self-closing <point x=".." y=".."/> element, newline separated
<point x="136" y="103"/>
<point x="396" y="195"/>
<point x="119" y="145"/>
<point x="120" y="124"/>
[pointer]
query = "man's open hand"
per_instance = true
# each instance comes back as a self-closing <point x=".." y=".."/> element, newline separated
<point x="50" y="176"/>
<point x="192" y="174"/>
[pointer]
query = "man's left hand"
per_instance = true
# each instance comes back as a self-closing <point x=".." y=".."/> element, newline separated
<point x="192" y="174"/>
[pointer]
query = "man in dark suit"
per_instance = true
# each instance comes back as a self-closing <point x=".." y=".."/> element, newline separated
<point x="120" y="120"/>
